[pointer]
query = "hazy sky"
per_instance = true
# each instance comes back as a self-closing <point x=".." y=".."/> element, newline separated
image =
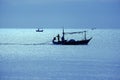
<point x="59" y="13"/>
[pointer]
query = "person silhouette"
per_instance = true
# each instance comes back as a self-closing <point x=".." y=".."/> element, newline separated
<point x="58" y="36"/>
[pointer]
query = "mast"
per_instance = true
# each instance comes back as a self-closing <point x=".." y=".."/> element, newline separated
<point x="63" y="35"/>
<point x="85" y="35"/>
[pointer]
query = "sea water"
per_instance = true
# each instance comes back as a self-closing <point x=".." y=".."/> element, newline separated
<point x="29" y="55"/>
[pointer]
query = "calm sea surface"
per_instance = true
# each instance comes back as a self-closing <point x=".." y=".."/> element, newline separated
<point x="29" y="55"/>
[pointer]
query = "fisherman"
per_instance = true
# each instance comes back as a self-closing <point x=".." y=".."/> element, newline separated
<point x="58" y="36"/>
<point x="54" y="39"/>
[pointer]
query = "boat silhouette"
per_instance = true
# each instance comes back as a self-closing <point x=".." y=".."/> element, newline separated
<point x="63" y="41"/>
<point x="38" y="30"/>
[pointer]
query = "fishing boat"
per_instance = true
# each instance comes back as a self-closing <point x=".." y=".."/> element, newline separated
<point x="63" y="41"/>
<point x="38" y="30"/>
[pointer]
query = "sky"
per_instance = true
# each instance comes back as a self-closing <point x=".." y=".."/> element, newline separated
<point x="60" y="13"/>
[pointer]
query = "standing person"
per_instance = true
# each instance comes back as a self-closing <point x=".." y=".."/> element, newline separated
<point x="58" y="36"/>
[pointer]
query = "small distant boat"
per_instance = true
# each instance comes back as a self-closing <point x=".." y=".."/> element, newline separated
<point x="84" y="41"/>
<point x="38" y="30"/>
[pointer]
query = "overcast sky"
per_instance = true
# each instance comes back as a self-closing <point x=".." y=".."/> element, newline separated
<point x="59" y="13"/>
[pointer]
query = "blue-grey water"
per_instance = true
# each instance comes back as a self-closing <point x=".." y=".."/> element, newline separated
<point x="29" y="55"/>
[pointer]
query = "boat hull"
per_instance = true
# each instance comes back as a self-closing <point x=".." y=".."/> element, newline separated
<point x="80" y="42"/>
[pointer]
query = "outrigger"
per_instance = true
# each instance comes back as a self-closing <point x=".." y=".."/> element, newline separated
<point x="84" y="41"/>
